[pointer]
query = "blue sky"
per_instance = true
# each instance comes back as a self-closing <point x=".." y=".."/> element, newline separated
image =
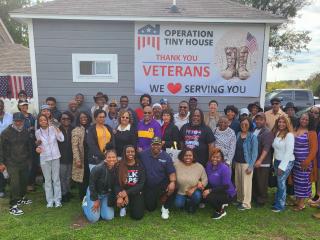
<point x="305" y="63"/>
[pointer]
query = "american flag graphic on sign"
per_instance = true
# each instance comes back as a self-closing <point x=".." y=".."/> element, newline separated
<point x="251" y="43"/>
<point x="10" y="86"/>
<point x="149" y="36"/>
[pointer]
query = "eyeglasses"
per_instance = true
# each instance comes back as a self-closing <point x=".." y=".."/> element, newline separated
<point x="124" y="117"/>
<point x="111" y="105"/>
<point x="147" y="112"/>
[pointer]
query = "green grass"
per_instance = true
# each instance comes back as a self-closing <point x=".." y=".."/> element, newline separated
<point x="38" y="222"/>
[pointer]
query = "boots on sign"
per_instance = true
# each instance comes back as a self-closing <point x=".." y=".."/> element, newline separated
<point x="243" y="73"/>
<point x="231" y="55"/>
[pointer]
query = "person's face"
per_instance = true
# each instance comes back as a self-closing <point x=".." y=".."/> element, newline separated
<point x="213" y="107"/>
<point x="304" y="120"/>
<point x="157" y="112"/>
<point x="216" y="158"/>
<point x="145" y="102"/>
<point x="83" y="119"/>
<point x="315" y="112"/>
<point x="183" y="109"/>
<point x="166" y="118"/>
<point x="244" y="125"/>
<point x="147" y="111"/>
<point x="282" y="124"/>
<point x="125" y="118"/>
<point x="164" y="106"/>
<point x="196" y="118"/>
<point x="73" y="107"/>
<point x="193" y="104"/>
<point x="1" y="106"/>
<point x="24" y="108"/>
<point x="254" y="110"/>
<point x="79" y="99"/>
<point x="130" y="154"/>
<point x="188" y="158"/>
<point x="231" y="114"/>
<point x="124" y="102"/>
<point x="51" y="104"/>
<point x="19" y="124"/>
<point x="111" y="160"/>
<point x="65" y="120"/>
<point x="155" y="149"/>
<point x="100" y="118"/>
<point x="43" y="122"/>
<point x="100" y="101"/>
<point x="275" y="106"/>
<point x="223" y="124"/>
<point x="112" y="108"/>
<point x="22" y="97"/>
<point x="260" y="122"/>
<point x="46" y="112"/>
<point x="290" y="112"/>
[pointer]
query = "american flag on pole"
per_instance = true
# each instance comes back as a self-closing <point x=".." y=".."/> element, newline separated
<point x="149" y="36"/>
<point x="10" y="86"/>
<point x="251" y="43"/>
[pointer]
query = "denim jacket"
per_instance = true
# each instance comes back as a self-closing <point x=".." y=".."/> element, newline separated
<point x="250" y="148"/>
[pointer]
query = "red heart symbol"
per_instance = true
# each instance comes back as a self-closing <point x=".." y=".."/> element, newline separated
<point x="174" y="88"/>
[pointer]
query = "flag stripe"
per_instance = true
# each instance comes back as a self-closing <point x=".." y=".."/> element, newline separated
<point x="158" y="43"/>
<point x="153" y="42"/>
<point x="138" y="43"/>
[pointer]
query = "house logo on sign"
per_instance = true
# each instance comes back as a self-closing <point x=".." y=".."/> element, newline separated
<point x="149" y="36"/>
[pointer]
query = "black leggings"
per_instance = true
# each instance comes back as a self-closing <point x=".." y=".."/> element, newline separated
<point x="217" y="199"/>
<point x="152" y="196"/>
<point x="136" y="206"/>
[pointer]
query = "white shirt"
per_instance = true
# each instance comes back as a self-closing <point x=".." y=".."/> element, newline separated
<point x="6" y="121"/>
<point x="179" y="122"/>
<point x="283" y="150"/>
<point x="49" y="144"/>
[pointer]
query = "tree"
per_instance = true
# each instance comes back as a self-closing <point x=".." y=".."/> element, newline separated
<point x="284" y="42"/>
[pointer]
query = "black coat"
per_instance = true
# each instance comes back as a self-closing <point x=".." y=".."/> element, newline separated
<point x="95" y="156"/>
<point x="170" y="135"/>
<point x="65" y="147"/>
<point x="123" y="138"/>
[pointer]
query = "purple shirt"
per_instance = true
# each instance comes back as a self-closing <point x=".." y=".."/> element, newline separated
<point x="219" y="176"/>
<point x="146" y="132"/>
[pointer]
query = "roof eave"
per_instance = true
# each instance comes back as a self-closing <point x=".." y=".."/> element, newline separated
<point x="27" y="17"/>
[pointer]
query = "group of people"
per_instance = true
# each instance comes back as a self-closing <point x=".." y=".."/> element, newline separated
<point x="119" y="157"/>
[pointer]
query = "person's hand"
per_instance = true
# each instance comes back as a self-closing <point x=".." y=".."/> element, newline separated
<point x="2" y="167"/>
<point x="126" y="200"/>
<point x="96" y="206"/>
<point x="122" y="194"/>
<point x="120" y="202"/>
<point x="206" y="193"/>
<point x="257" y="164"/>
<point x="304" y="165"/>
<point x="248" y="171"/>
<point x="38" y="150"/>
<point x="171" y="187"/>
<point x="139" y="149"/>
<point x="280" y="172"/>
<point x="38" y="142"/>
<point x="78" y="164"/>
<point x="200" y="185"/>
<point x="190" y="191"/>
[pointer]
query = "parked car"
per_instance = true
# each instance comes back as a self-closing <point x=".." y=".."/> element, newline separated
<point x="302" y="98"/>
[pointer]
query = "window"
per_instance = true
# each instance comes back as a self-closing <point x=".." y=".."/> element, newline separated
<point x="95" y="68"/>
<point x="302" y="95"/>
<point x="286" y="95"/>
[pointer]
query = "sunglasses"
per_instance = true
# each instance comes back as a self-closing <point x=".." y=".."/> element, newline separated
<point x="147" y="112"/>
<point x="111" y="105"/>
<point x="124" y="117"/>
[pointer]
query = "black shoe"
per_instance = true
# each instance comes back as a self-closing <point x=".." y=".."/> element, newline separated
<point x="219" y="215"/>
<point x="191" y="209"/>
<point x="24" y="201"/>
<point x="15" y="210"/>
<point x="65" y="199"/>
<point x="315" y="198"/>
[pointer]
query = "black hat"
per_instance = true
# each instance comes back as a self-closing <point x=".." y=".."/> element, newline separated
<point x="275" y="99"/>
<point x="290" y="105"/>
<point x="100" y="95"/>
<point x="232" y="108"/>
<point x="255" y="104"/>
<point x="193" y="98"/>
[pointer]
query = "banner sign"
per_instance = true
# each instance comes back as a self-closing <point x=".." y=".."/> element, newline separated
<point x="198" y="59"/>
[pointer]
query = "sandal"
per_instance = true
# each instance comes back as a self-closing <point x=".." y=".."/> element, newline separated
<point x="298" y="208"/>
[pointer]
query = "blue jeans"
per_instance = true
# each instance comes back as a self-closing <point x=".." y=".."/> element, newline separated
<point x="281" y="194"/>
<point x="181" y="200"/>
<point x="106" y="212"/>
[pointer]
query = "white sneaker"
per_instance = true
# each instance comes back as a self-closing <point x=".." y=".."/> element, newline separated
<point x="164" y="213"/>
<point x="49" y="205"/>
<point x="123" y="212"/>
<point x="58" y="204"/>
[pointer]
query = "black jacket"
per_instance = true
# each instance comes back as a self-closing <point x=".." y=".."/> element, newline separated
<point x="171" y="134"/>
<point x="102" y="181"/>
<point x="15" y="147"/>
<point x="123" y="138"/>
<point x="95" y="156"/>
<point x="65" y="147"/>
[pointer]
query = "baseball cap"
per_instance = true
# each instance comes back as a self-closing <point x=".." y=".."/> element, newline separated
<point x="23" y="102"/>
<point x="156" y="105"/>
<point x="45" y="106"/>
<point x="244" y="111"/>
<point x="18" y="116"/>
<point x="163" y="101"/>
<point x="261" y="114"/>
<point x="156" y="140"/>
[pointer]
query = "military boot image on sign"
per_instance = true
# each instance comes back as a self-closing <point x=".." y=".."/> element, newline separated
<point x="243" y="73"/>
<point x="230" y="71"/>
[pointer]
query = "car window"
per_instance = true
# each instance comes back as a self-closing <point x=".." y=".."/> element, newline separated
<point x="301" y="95"/>
<point x="286" y="96"/>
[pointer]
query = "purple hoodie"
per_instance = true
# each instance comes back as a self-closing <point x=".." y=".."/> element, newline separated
<point x="219" y="176"/>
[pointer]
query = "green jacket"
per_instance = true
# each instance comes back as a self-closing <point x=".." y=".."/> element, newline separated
<point x="15" y="147"/>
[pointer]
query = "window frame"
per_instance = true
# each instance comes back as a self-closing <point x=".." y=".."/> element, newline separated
<point x="105" y="78"/>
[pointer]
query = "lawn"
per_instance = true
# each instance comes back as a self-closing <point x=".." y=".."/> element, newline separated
<point x="38" y="222"/>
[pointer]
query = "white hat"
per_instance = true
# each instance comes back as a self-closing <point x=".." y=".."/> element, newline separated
<point x="244" y="111"/>
<point x="156" y="105"/>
